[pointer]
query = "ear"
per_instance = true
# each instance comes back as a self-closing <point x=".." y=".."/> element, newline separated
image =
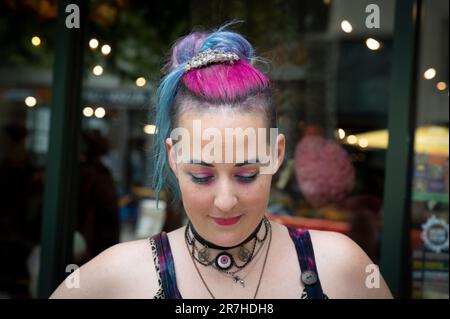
<point x="170" y="149"/>
<point x="281" y="142"/>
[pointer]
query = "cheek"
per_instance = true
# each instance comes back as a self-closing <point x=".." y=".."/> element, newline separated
<point x="256" y="193"/>
<point x="196" y="196"/>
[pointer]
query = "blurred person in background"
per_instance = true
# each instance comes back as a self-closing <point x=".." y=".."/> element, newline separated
<point x="21" y="187"/>
<point x="98" y="217"/>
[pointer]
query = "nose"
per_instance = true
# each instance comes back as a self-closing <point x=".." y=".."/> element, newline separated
<point x="225" y="198"/>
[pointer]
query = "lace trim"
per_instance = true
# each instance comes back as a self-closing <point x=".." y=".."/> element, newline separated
<point x="160" y="293"/>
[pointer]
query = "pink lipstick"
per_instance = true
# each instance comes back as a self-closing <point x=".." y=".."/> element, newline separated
<point x="226" y="221"/>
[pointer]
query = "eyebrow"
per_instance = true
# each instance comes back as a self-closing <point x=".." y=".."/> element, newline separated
<point x="255" y="161"/>
<point x="197" y="162"/>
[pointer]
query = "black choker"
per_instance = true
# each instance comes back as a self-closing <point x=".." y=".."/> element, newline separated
<point x="224" y="260"/>
<point x="204" y="242"/>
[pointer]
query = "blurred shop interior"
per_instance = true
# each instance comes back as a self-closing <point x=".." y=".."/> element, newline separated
<point x="334" y="93"/>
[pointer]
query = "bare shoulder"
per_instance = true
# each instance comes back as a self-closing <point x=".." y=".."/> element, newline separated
<point x="336" y="245"/>
<point x="344" y="268"/>
<point x="125" y="270"/>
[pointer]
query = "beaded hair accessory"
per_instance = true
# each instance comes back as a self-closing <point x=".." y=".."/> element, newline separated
<point x="210" y="56"/>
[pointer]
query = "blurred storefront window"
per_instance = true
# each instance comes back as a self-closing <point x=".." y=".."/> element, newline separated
<point x="26" y="57"/>
<point x="332" y="77"/>
<point x="429" y="214"/>
<point x="122" y="67"/>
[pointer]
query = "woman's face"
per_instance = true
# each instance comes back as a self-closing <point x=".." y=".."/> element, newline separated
<point x="224" y="199"/>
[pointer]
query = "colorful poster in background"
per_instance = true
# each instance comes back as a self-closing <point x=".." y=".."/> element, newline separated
<point x="430" y="232"/>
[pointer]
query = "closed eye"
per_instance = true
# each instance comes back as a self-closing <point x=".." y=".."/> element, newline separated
<point x="246" y="178"/>
<point x="200" y="180"/>
<point x="207" y="179"/>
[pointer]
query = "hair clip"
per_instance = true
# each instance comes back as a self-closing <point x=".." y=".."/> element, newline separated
<point x="210" y="56"/>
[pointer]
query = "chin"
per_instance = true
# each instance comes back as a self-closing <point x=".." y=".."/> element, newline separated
<point x="227" y="240"/>
<point x="231" y="236"/>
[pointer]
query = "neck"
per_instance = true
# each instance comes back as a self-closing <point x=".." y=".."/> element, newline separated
<point x="211" y="245"/>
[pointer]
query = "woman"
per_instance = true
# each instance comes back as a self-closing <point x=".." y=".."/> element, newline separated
<point x="228" y="249"/>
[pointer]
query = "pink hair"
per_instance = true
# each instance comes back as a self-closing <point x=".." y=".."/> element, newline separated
<point x="225" y="81"/>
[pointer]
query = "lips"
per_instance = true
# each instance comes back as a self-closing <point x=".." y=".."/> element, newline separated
<point x="226" y="221"/>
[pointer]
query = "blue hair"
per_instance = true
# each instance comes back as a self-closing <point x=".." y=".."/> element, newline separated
<point x="165" y="97"/>
<point x="230" y="42"/>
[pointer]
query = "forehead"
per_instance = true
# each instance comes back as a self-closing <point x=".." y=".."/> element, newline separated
<point x="222" y="118"/>
<point x="229" y="136"/>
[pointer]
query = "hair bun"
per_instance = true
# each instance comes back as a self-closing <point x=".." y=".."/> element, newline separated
<point x="189" y="46"/>
<point x="186" y="48"/>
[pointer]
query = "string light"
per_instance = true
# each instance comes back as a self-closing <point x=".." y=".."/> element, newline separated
<point x="30" y="101"/>
<point x="88" y="111"/>
<point x="441" y="86"/>
<point x="106" y="49"/>
<point x="100" y="112"/>
<point x="97" y="70"/>
<point x="149" y="129"/>
<point x="346" y="26"/>
<point x="36" y="41"/>
<point x="373" y="44"/>
<point x="363" y="143"/>
<point x="93" y="43"/>
<point x="351" y="139"/>
<point x="141" y="81"/>
<point x="429" y="74"/>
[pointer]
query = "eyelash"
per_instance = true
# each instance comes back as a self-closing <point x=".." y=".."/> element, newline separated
<point x="205" y="180"/>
